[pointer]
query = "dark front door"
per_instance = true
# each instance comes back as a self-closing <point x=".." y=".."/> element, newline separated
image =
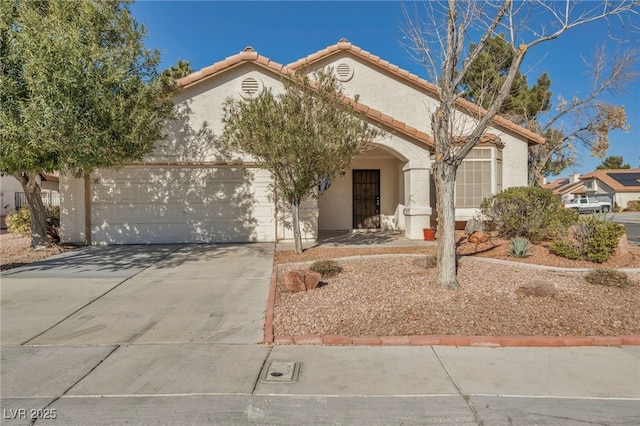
<point x="366" y="199"/>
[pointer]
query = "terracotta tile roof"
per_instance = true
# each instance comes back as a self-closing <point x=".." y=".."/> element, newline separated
<point x="250" y="55"/>
<point x="344" y="45"/>
<point x="604" y="176"/>
<point x="564" y="186"/>
<point x="568" y="188"/>
<point x="247" y="55"/>
<point x="53" y="177"/>
<point x="556" y="183"/>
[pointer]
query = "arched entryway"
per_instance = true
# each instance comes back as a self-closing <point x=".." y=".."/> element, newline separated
<point x="385" y="188"/>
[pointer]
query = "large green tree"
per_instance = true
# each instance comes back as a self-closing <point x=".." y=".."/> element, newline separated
<point x="439" y="38"/>
<point x="78" y="91"/>
<point x="487" y="74"/>
<point x="613" y="162"/>
<point x="305" y="136"/>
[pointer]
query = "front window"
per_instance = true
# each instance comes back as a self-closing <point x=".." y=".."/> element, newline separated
<point x="473" y="180"/>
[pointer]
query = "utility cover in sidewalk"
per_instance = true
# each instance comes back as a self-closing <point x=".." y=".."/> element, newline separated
<point x="281" y="372"/>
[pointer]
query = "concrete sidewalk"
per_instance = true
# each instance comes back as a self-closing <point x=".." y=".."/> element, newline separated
<point x="169" y="335"/>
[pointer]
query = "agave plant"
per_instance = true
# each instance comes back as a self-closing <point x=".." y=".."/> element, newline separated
<point x="519" y="247"/>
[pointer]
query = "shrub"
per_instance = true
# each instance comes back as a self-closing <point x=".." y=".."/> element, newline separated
<point x="565" y="248"/>
<point x="519" y="247"/>
<point x="20" y="222"/>
<point x="328" y="268"/>
<point x="608" y="277"/>
<point x="530" y="212"/>
<point x="633" y="206"/>
<point x="592" y="239"/>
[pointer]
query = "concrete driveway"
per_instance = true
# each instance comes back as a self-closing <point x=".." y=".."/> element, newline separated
<point x="139" y="294"/>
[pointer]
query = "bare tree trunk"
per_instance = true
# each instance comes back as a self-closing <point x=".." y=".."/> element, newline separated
<point x="36" y="208"/>
<point x="295" y="221"/>
<point x="445" y="181"/>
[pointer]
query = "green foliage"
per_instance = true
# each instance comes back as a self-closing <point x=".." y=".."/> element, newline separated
<point x="304" y="136"/>
<point x="530" y="212"/>
<point x="608" y="277"/>
<point x="19" y="222"/>
<point x="328" y="268"/>
<point x="592" y="239"/>
<point x="77" y="86"/>
<point x="613" y="162"/>
<point x="565" y="248"/>
<point x="519" y="247"/>
<point x="487" y="74"/>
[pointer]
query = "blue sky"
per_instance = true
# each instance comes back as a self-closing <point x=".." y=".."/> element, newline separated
<point x="204" y="32"/>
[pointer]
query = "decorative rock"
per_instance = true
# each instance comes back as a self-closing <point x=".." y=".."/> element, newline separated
<point x="478" y="237"/>
<point x="537" y="289"/>
<point x="301" y="280"/>
<point x="623" y="246"/>
<point x="473" y="225"/>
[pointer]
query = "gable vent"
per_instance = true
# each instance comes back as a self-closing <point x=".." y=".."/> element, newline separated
<point x="344" y="72"/>
<point x="250" y="86"/>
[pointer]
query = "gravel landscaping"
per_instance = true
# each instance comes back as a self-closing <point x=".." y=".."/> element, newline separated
<point x="391" y="294"/>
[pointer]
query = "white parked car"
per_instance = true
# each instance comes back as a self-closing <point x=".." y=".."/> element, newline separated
<point x="589" y="205"/>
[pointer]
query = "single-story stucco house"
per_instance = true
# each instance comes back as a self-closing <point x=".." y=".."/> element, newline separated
<point x="618" y="185"/>
<point x="567" y="188"/>
<point x="190" y="191"/>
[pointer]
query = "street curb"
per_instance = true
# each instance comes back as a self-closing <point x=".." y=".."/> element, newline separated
<point x="435" y="340"/>
<point x="450" y="340"/>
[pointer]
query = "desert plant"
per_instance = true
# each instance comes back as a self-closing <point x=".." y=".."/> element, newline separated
<point x="519" y="247"/>
<point x="633" y="206"/>
<point x="327" y="268"/>
<point x="592" y="239"/>
<point x="531" y="212"/>
<point x="608" y="277"/>
<point x="565" y="248"/>
<point x="19" y="222"/>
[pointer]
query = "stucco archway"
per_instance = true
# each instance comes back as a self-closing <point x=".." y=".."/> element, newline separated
<point x="403" y="170"/>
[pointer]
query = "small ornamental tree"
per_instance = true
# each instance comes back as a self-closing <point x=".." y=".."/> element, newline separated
<point x="308" y="134"/>
<point x="78" y="91"/>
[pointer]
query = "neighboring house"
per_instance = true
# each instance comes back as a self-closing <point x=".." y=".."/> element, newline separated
<point x="13" y="198"/>
<point x="191" y="190"/>
<point x="619" y="185"/>
<point x="567" y="188"/>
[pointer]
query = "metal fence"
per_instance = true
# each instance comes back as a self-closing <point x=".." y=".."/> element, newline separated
<point x="49" y="198"/>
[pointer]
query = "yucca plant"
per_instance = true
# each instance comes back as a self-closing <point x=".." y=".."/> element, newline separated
<point x="519" y="247"/>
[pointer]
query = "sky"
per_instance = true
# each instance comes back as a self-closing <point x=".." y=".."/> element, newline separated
<point x="204" y="32"/>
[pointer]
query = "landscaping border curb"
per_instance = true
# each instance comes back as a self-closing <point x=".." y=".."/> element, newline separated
<point x="436" y="340"/>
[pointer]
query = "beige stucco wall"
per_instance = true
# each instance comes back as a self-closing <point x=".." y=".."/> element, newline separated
<point x="72" y="210"/>
<point x="8" y="188"/>
<point x="189" y="139"/>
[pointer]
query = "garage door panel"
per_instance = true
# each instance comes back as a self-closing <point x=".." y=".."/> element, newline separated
<point x="163" y="205"/>
<point x="175" y="233"/>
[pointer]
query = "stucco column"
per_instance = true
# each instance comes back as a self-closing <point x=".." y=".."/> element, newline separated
<point x="417" y="210"/>
<point x="72" y="210"/>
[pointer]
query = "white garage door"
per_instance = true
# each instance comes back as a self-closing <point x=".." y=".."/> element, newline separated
<point x="154" y="205"/>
